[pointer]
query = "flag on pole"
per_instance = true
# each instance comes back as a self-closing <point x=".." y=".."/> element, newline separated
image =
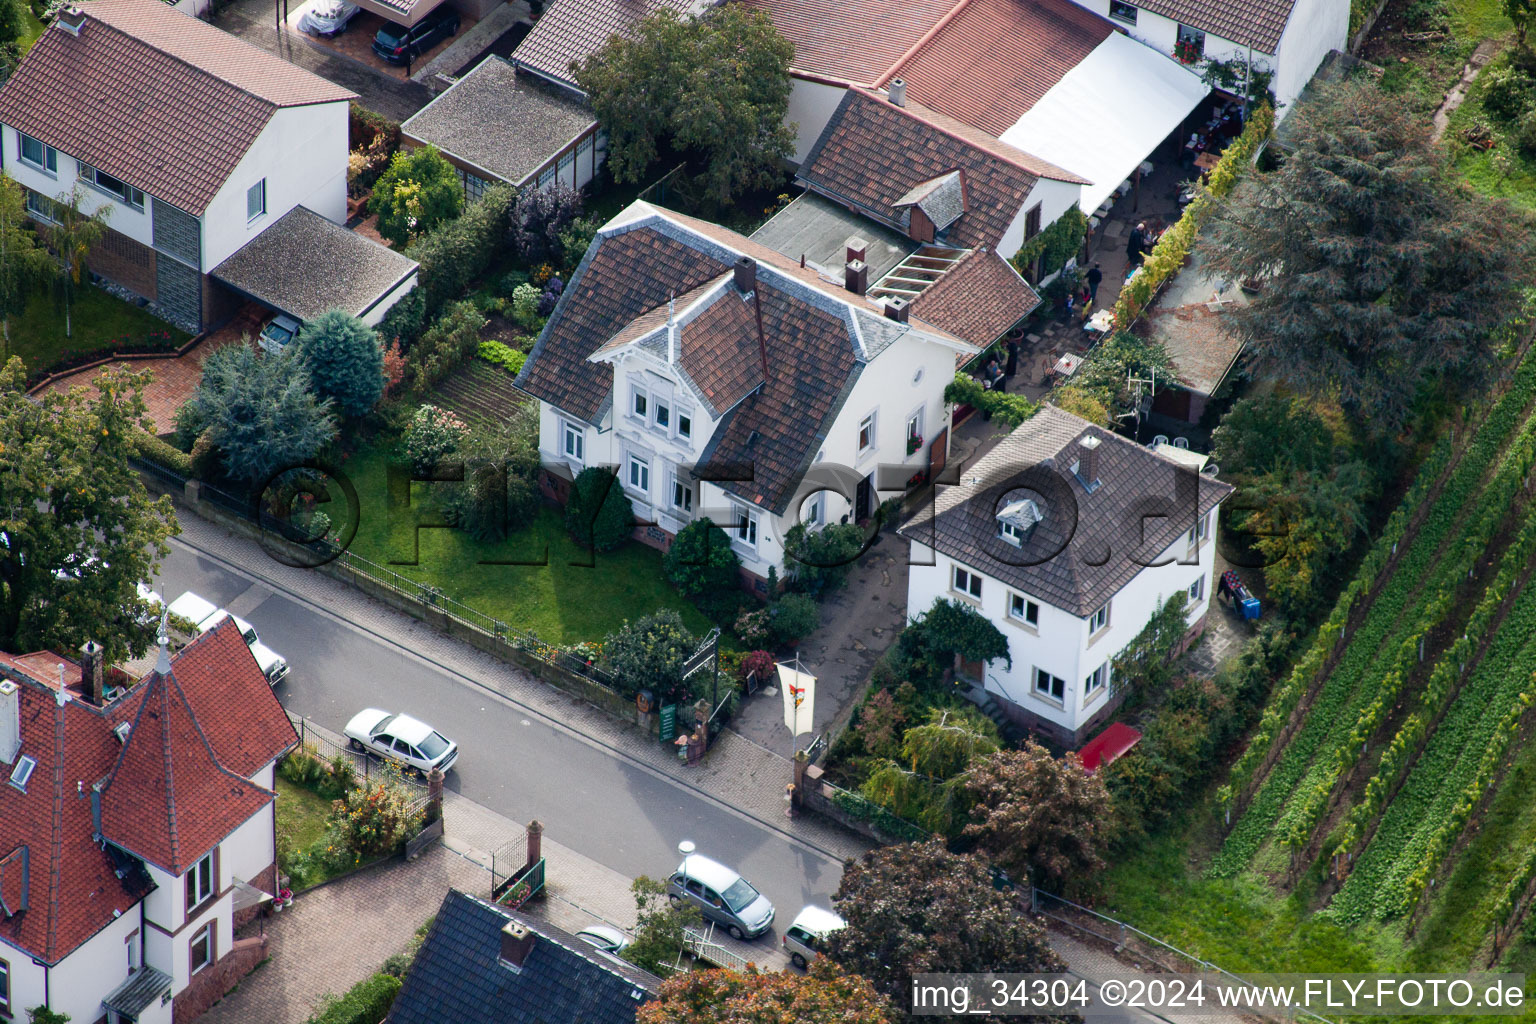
<point x="799" y="699"/>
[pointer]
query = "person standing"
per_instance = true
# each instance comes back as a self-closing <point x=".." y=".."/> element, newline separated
<point x="1094" y="276"/>
<point x="1012" y="366"/>
<point x="1134" y="246"/>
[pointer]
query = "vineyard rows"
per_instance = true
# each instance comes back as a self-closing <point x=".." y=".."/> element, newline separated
<point x="1367" y="678"/>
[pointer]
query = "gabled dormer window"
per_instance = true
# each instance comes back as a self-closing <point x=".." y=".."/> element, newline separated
<point x="1016" y="521"/>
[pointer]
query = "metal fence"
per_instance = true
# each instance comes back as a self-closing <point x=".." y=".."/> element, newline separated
<point x="324" y="744"/>
<point x="701" y="946"/>
<point x="1145" y="947"/>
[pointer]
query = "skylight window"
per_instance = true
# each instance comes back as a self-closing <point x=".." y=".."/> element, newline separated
<point x="22" y="772"/>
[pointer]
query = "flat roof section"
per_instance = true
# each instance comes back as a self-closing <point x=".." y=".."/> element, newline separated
<point x="818" y="228"/>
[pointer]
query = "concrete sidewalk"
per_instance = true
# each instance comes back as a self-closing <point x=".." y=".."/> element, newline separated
<point x="741" y="774"/>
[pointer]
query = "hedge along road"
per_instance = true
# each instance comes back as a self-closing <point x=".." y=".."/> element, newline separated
<point x="591" y="797"/>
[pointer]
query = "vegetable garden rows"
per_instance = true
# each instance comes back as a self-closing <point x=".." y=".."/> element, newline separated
<point x="1462" y="711"/>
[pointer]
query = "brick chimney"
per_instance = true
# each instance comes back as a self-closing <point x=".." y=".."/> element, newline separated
<point x="10" y="721"/>
<point x="896" y="92"/>
<point x="93" y="673"/>
<point x="516" y="943"/>
<point x="856" y="276"/>
<point x="746" y="275"/>
<point x="857" y="249"/>
<point x="896" y="309"/>
<point x="1088" y="462"/>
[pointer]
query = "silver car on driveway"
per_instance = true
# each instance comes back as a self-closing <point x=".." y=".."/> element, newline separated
<point x="403" y="739"/>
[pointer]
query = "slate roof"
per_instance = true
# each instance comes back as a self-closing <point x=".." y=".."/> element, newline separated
<point x="818" y="338"/>
<point x="1201" y="349"/>
<point x="73" y="886"/>
<point x="852" y="41"/>
<point x="1255" y="23"/>
<point x="994" y="59"/>
<point x="161" y="100"/>
<point x="458" y="975"/>
<point x="570" y="30"/>
<point x="279" y="267"/>
<point x="872" y="154"/>
<point x="505" y="124"/>
<point x="977" y="300"/>
<point x="1088" y="545"/>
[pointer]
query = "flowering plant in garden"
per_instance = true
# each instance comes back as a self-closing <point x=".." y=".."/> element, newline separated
<point x="375" y="818"/>
<point x="433" y="435"/>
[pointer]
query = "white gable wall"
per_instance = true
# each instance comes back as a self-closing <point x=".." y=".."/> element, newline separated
<point x="811" y="106"/>
<point x="302" y="155"/>
<point x="1055" y="198"/>
<point x="251" y="849"/>
<point x="77" y="984"/>
<point x="1315" y="28"/>
<point x="1062" y="644"/>
<point x="122" y="218"/>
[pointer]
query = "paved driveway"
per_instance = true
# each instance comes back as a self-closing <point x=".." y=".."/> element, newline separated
<point x="255" y="22"/>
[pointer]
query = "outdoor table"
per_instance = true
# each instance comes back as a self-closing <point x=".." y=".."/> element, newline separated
<point x="1206" y="161"/>
<point x="1067" y="365"/>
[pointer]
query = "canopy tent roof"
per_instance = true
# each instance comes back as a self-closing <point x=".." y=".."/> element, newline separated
<point x="1113" y="743"/>
<point x="1108" y="113"/>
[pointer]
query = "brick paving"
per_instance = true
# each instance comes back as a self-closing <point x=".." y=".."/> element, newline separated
<point x="355" y="43"/>
<point x="175" y="378"/>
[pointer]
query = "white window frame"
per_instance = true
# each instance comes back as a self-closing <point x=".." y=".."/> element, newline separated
<point x="50" y="161"/>
<point x="1099" y="620"/>
<point x="1052" y="683"/>
<point x="680" y="489"/>
<point x="743" y="529"/>
<point x="36" y="203"/>
<point x="1011" y="533"/>
<point x="633" y="464"/>
<point x="198" y="889"/>
<point x="639" y="403"/>
<point x="569" y="432"/>
<point x="1095" y="683"/>
<point x="1121" y="17"/>
<point x="915" y="429"/>
<point x="261" y="199"/>
<point x="134" y="199"/>
<point x="813" y="509"/>
<point x="1197" y="533"/>
<point x="205" y="935"/>
<point x="1026" y="606"/>
<point x="970" y="586"/>
<point x="5" y="987"/>
<point x="1196" y="590"/>
<point x="135" y="954"/>
<point x="868" y="425"/>
<point x="685" y="417"/>
<point x="659" y="406"/>
<point x="1190" y="34"/>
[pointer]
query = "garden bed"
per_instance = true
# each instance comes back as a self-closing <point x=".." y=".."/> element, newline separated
<point x="479" y="390"/>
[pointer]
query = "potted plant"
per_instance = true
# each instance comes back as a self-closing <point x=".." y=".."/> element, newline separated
<point x="914" y="442"/>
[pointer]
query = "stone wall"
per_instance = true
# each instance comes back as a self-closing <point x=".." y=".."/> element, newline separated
<point x="210" y="985"/>
<point x="177" y="233"/>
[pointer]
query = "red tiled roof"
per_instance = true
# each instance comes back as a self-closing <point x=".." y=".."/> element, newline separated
<point x="571" y="30"/>
<point x="994" y="59"/>
<point x="978" y="300"/>
<point x="161" y="100"/>
<point x="853" y="41"/>
<point x="169" y="791"/>
<point x="872" y="153"/>
<point x="1255" y="23"/>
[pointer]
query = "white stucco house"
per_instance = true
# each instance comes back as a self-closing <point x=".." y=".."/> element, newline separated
<point x="211" y="143"/>
<point x="1067" y="537"/>
<point x="1289" y="38"/>
<point x="719" y="378"/>
<point x="137" y="829"/>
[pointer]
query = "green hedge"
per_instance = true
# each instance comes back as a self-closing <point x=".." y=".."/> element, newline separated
<point x="1167" y="256"/>
<point x="162" y="453"/>
<point x="456" y="254"/>
<point x="365" y="1003"/>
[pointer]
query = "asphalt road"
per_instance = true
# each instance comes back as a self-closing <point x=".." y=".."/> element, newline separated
<point x="591" y="798"/>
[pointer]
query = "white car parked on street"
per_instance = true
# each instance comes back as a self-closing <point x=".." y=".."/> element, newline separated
<point x="204" y="614"/>
<point x="401" y="738"/>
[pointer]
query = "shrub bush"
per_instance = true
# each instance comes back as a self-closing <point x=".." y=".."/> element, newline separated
<point x="575" y="240"/>
<point x="701" y="563"/>
<point x="792" y="617"/>
<point x="433" y="436"/>
<point x="1525" y="133"/>
<point x="443" y="346"/>
<point x="405" y="319"/>
<point x="525" y="307"/>
<point x="346" y="363"/>
<point x="419" y="191"/>
<point x="500" y="489"/>
<point x="374" y="819"/>
<point x="598" y="514"/>
<point x="539" y="219"/>
<point x="1508" y="94"/>
<point x="820" y="560"/>
<point x="509" y="358"/>
<point x="162" y="453"/>
<point x="648" y="654"/>
<point x="459" y="252"/>
<point x="367" y="1002"/>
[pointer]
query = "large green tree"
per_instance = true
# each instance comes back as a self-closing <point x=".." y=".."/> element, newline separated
<point x="1039" y="817"/>
<point x="258" y="412"/>
<point x="714" y="89"/>
<point x="345" y="360"/>
<point x="824" y="994"/>
<point x="419" y="191"/>
<point x="917" y="909"/>
<point x="78" y="531"/>
<point x="1380" y="271"/>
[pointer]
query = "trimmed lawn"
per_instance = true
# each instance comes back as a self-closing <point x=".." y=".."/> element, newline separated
<point x="31" y="28"/>
<point x="100" y="321"/>
<point x="301" y="814"/>
<point x="572" y="596"/>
